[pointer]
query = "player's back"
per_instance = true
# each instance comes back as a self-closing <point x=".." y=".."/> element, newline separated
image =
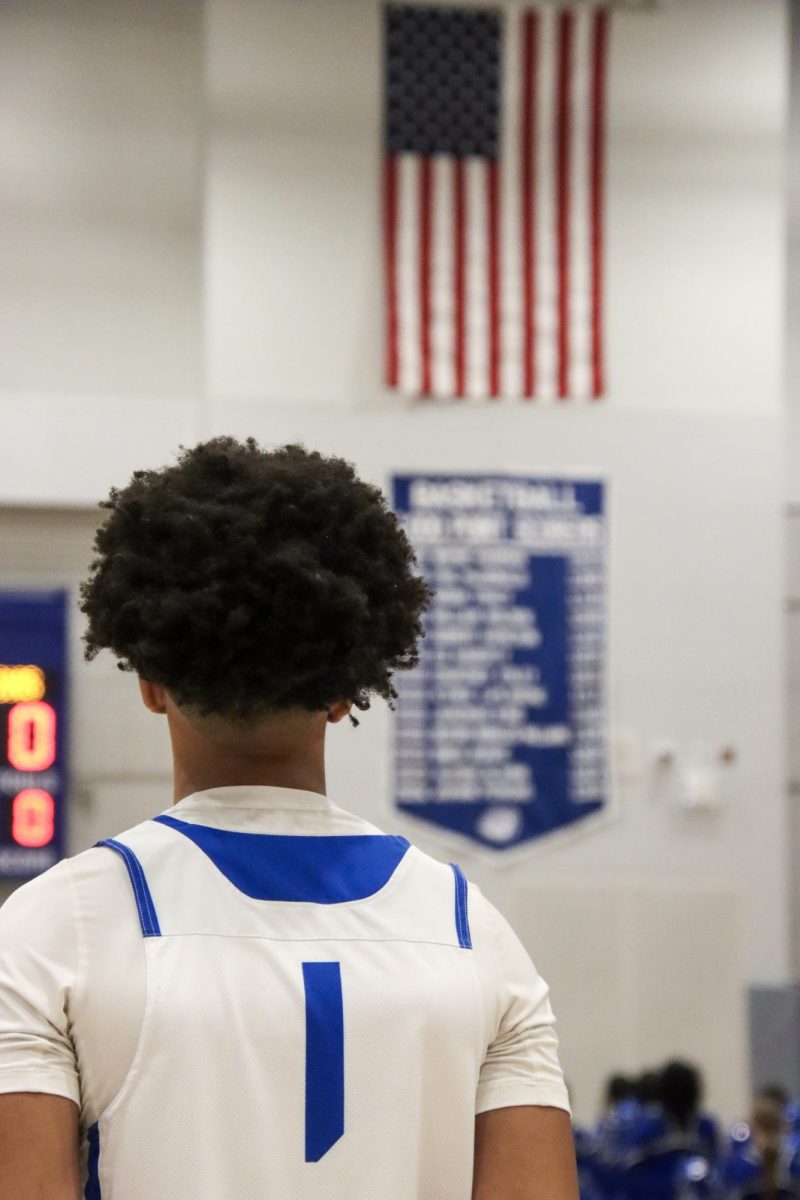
<point x="314" y="1023"/>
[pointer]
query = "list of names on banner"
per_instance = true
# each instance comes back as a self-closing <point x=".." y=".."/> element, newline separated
<point x="500" y="732"/>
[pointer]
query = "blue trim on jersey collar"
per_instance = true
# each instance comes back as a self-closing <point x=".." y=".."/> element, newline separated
<point x="315" y="870"/>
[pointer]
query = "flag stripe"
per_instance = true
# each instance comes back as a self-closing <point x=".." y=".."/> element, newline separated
<point x="563" y="147"/>
<point x="442" y="314"/>
<point x="512" y="301"/>
<point x="460" y="275"/>
<point x="390" y="251"/>
<point x="493" y="220"/>
<point x="546" y="321"/>
<point x="408" y="306"/>
<point x="580" y="281"/>
<point x="596" y="152"/>
<point x="425" y="271"/>
<point x="477" y="278"/>
<point x="528" y="175"/>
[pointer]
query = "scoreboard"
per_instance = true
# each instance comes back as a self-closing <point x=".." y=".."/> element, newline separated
<point x="33" y="711"/>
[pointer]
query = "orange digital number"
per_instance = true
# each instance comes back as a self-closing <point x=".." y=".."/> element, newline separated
<point x="32" y="736"/>
<point x="33" y="817"/>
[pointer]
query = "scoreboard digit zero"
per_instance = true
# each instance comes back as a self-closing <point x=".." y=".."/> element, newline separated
<point x="33" y="694"/>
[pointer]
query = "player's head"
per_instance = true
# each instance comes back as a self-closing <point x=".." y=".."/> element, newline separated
<point x="618" y="1089"/>
<point x="250" y="583"/>
<point x="647" y="1087"/>
<point x="774" y="1093"/>
<point x="681" y="1090"/>
<point x="766" y="1121"/>
<point x="768" y="1124"/>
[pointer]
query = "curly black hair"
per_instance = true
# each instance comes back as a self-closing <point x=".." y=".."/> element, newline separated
<point x="246" y="580"/>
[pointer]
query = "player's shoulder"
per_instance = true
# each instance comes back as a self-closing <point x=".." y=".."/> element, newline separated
<point x="448" y="869"/>
<point x="87" y="875"/>
<point x="54" y="902"/>
<point x="445" y="882"/>
<point x="440" y="868"/>
<point x="49" y="890"/>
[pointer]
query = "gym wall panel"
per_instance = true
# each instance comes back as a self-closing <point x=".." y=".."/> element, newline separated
<point x="792" y="529"/>
<point x="658" y="976"/>
<point x="100" y="118"/>
<point x="696" y="205"/>
<point x="591" y="992"/>
<point x="292" y="245"/>
<point x="685" y="967"/>
<point x="774" y="1020"/>
<point x="71" y="448"/>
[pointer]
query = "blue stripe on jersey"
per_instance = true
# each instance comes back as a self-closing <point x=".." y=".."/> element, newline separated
<point x="462" y="911"/>
<point x="324" y="1057"/>
<point x="92" y="1191"/>
<point x="144" y="901"/>
<point x="317" y="870"/>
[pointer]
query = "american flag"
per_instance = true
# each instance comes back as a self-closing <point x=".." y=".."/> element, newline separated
<point x="494" y="128"/>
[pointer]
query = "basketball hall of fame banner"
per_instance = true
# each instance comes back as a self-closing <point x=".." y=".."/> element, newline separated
<point x="500" y="733"/>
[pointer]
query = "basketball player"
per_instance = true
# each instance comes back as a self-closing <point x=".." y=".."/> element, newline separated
<point x="257" y="994"/>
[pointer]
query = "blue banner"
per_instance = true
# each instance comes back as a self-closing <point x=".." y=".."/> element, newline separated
<point x="500" y="733"/>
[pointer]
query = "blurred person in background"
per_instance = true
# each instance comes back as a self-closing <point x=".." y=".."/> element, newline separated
<point x="629" y="1130"/>
<point x="647" y="1089"/>
<point x="619" y="1094"/>
<point x="761" y="1167"/>
<point x="618" y="1089"/>
<point x="656" y="1144"/>
<point x="775" y="1092"/>
<point x="681" y="1094"/>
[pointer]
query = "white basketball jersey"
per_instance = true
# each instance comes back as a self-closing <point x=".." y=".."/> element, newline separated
<point x="313" y="1026"/>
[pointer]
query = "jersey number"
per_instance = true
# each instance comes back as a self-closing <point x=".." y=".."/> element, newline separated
<point x="324" y="1057"/>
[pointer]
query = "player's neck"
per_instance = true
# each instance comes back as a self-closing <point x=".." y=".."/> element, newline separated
<point x="286" y="751"/>
<point x="198" y="775"/>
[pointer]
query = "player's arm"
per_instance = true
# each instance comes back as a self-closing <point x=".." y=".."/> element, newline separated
<point x="39" y="1087"/>
<point x="38" y="1147"/>
<point x="523" y="1132"/>
<point x="524" y="1153"/>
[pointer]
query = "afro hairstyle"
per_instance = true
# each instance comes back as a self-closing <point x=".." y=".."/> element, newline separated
<point x="247" y="581"/>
